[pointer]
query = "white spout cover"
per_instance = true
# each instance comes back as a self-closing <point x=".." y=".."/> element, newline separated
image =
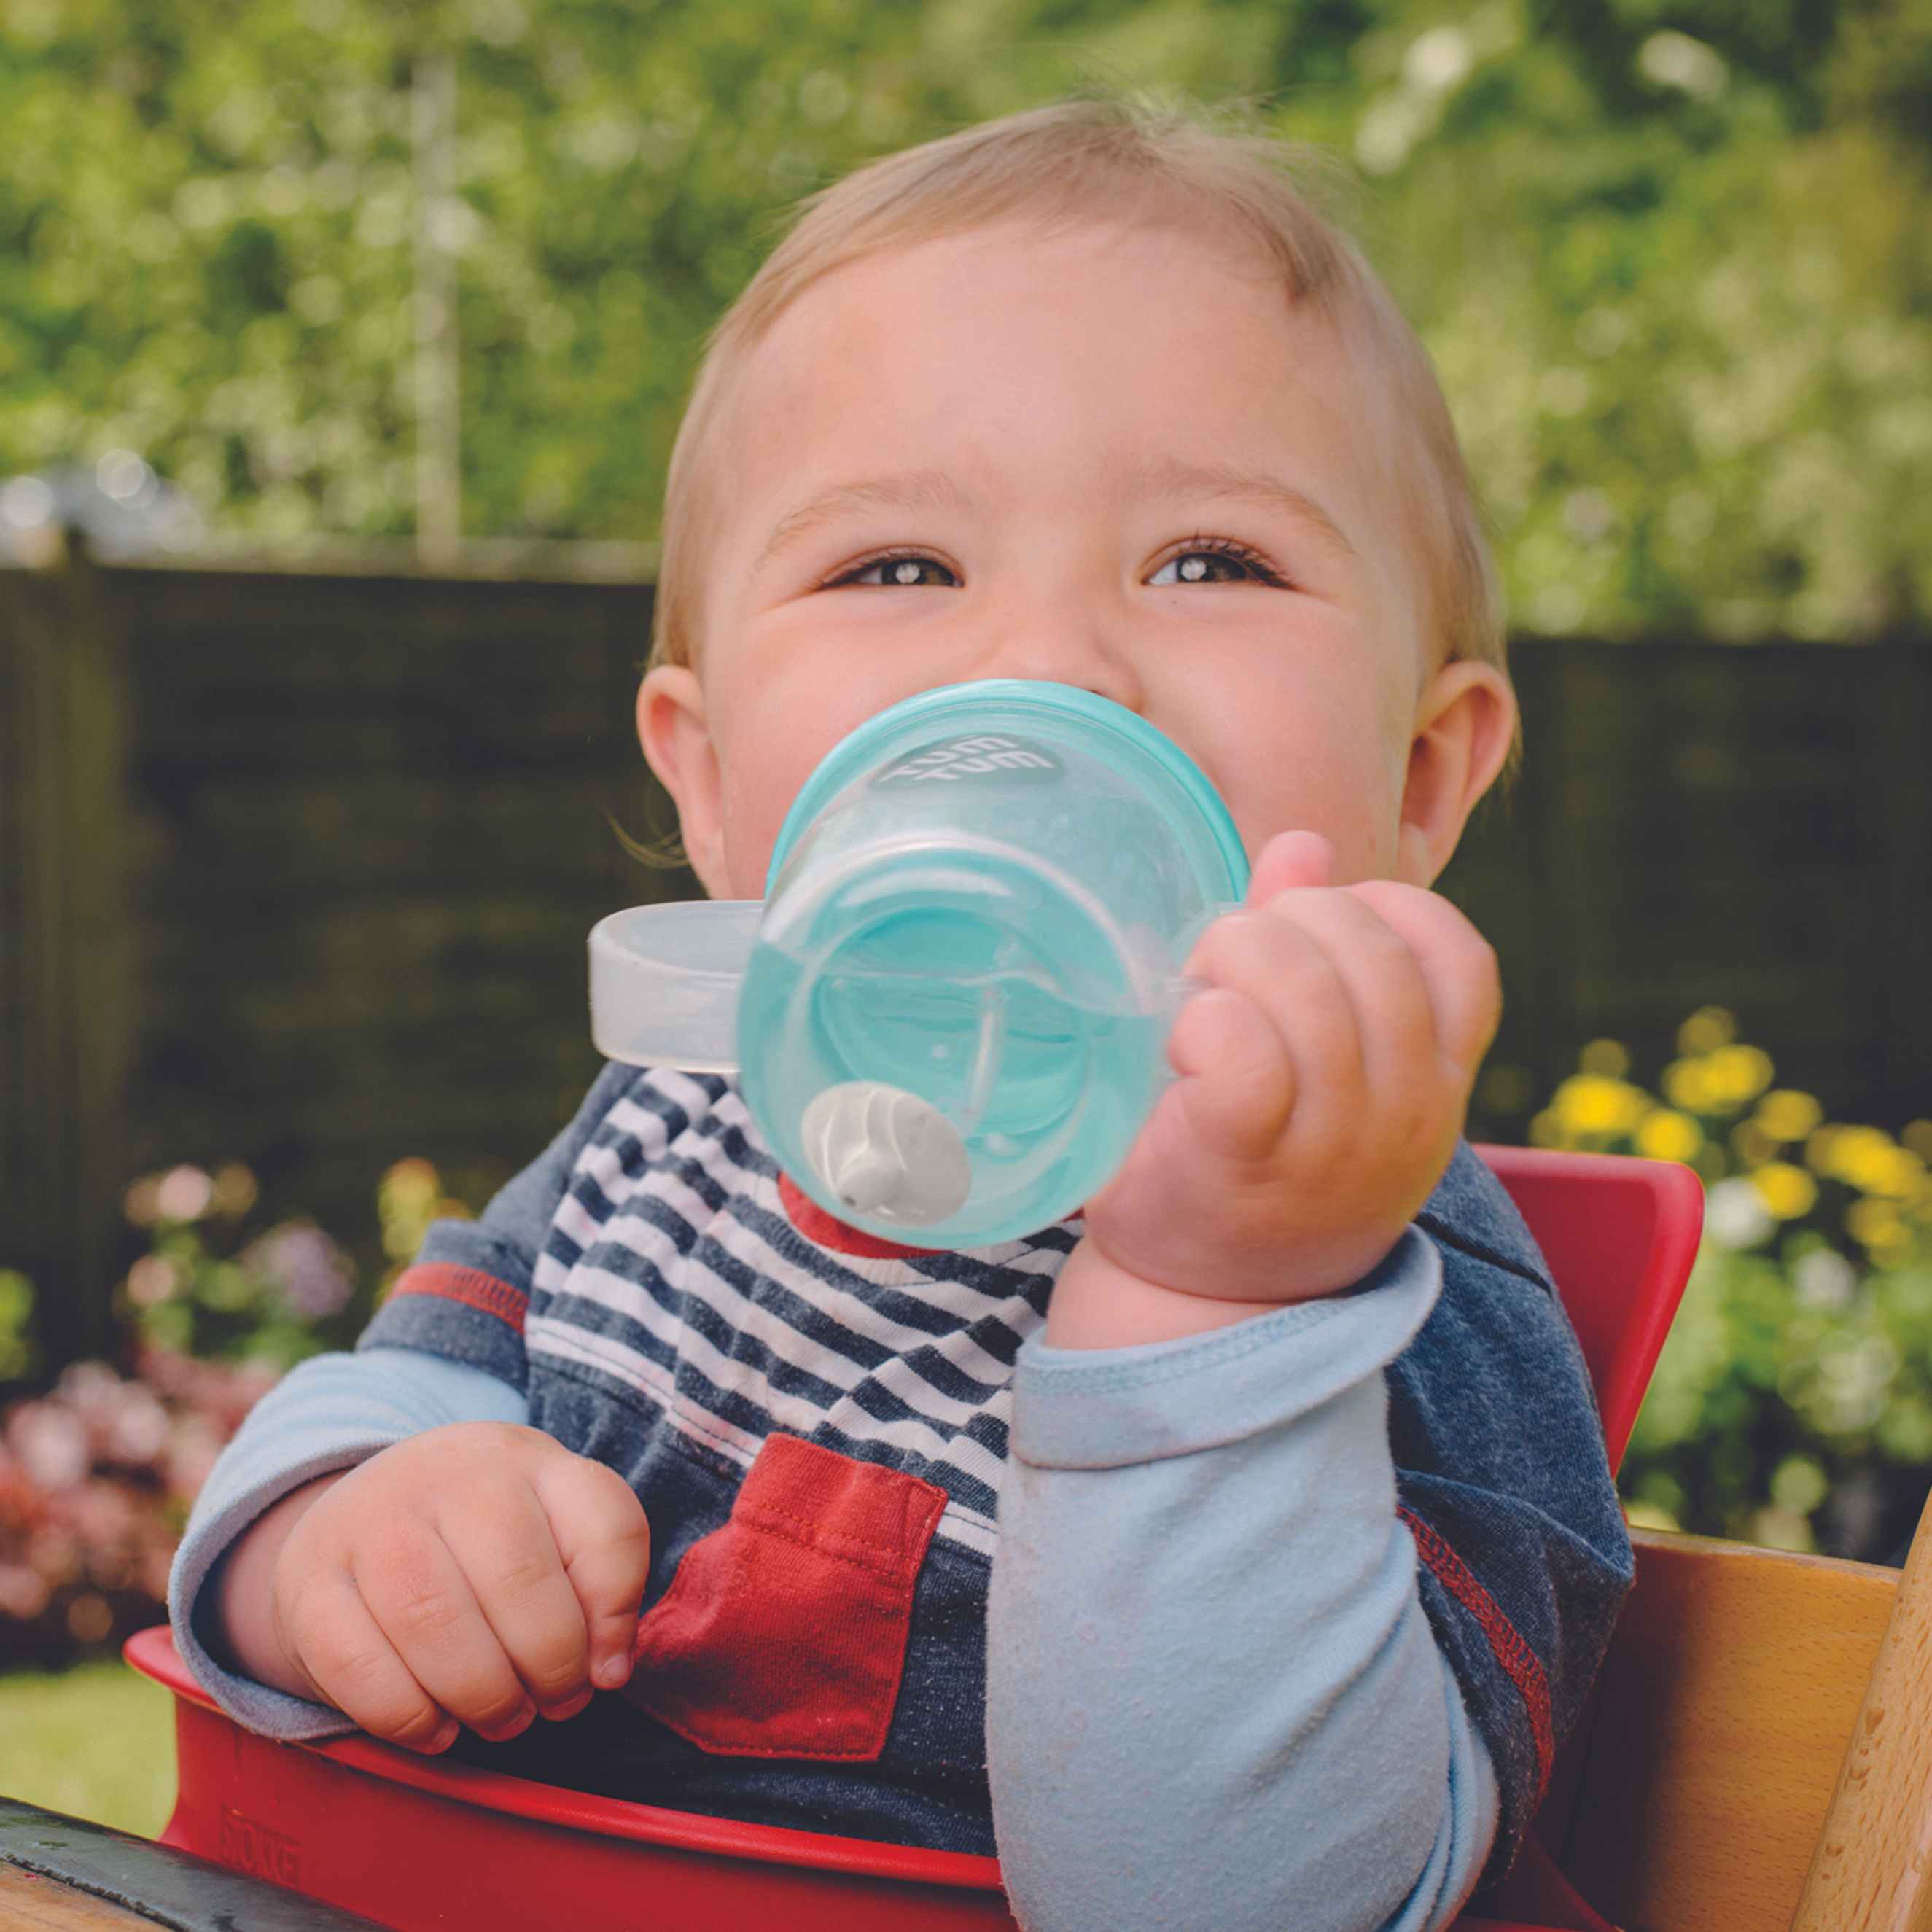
<point x="886" y="1153"/>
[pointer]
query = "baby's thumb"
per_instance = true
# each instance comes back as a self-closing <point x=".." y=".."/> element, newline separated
<point x="1289" y="859"/>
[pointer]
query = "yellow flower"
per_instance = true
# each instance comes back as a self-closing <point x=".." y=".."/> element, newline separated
<point x="1610" y="1057"/>
<point x="1874" y="1163"/>
<point x="1738" y="1073"/>
<point x="409" y="1187"/>
<point x="1590" y="1103"/>
<point x="1879" y="1225"/>
<point x="408" y="1198"/>
<point x="1788" y="1115"/>
<point x="1789" y="1191"/>
<point x="1666" y="1135"/>
<point x="1707" y="1029"/>
<point x="1901" y="1175"/>
<point x="1719" y="1081"/>
<point x="1687" y="1084"/>
<point x="1822" y="1148"/>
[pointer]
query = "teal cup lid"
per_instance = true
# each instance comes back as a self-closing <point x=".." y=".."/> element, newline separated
<point x="1143" y="755"/>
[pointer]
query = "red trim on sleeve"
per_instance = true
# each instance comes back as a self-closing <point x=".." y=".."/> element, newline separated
<point x="783" y="1634"/>
<point x="470" y="1286"/>
<point x="815" y="1225"/>
<point x="1514" y="1655"/>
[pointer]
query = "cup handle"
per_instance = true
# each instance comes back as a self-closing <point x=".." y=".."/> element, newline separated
<point x="664" y="982"/>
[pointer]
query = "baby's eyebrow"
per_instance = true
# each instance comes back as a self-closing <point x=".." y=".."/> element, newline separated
<point x="920" y="489"/>
<point x="1170" y="477"/>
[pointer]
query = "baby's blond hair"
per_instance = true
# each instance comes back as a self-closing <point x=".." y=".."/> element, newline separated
<point x="1107" y="161"/>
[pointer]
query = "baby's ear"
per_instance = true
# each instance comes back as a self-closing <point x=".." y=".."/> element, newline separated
<point x="676" y="734"/>
<point x="1464" y="728"/>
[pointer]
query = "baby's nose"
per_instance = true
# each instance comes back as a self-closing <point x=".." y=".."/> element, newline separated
<point x="1075" y="650"/>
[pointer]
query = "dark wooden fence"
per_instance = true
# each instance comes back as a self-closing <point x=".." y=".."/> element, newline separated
<point x="1749" y="826"/>
<point x="297" y="868"/>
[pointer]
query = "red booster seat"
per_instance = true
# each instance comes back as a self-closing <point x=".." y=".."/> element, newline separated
<point x="417" y="1843"/>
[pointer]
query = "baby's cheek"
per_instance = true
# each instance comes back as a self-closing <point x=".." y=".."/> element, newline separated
<point x="766" y="750"/>
<point x="754" y="810"/>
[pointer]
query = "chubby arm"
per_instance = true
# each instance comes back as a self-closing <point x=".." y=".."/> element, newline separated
<point x="386" y="1540"/>
<point x="1210" y="1676"/>
<point x="323" y="1418"/>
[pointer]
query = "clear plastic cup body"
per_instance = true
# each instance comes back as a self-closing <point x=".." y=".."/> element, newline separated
<point x="954" y="1014"/>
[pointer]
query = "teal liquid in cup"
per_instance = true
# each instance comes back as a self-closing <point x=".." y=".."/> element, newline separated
<point x="953" y="1015"/>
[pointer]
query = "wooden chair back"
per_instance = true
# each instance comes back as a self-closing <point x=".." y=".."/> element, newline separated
<point x="1702" y="1776"/>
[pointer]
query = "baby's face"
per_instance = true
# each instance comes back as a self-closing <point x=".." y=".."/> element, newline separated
<point x="1110" y="458"/>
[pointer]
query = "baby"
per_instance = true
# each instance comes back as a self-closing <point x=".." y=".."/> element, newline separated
<point x="1234" y="1554"/>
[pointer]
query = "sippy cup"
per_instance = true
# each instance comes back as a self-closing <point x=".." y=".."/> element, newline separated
<point x="949" y="1012"/>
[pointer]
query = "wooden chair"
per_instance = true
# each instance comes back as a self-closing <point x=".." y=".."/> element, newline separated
<point x="1692" y="1795"/>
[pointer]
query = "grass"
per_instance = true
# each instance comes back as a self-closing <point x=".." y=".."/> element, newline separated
<point x="96" y="1741"/>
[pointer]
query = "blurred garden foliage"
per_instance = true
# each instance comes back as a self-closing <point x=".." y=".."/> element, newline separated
<point x="212" y="1286"/>
<point x="1792" y="1404"/>
<point x="97" y="1473"/>
<point x="1672" y="260"/>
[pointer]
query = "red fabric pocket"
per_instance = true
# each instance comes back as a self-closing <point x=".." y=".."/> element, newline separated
<point x="783" y="1634"/>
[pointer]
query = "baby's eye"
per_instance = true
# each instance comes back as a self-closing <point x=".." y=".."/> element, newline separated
<point x="901" y="572"/>
<point x="1215" y="563"/>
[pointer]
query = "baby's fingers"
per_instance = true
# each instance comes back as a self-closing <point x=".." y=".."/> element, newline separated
<point x="1458" y="965"/>
<point x="349" y="1663"/>
<point x="502" y="1544"/>
<point x="1289" y="859"/>
<point x="604" y="1543"/>
<point x="425" y="1605"/>
<point x="1237" y="1082"/>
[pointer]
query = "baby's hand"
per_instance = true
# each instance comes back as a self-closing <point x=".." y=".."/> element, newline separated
<point x="478" y="1573"/>
<point x="1323" y="1076"/>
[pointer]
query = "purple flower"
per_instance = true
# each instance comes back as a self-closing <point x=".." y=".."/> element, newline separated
<point x="312" y="1275"/>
